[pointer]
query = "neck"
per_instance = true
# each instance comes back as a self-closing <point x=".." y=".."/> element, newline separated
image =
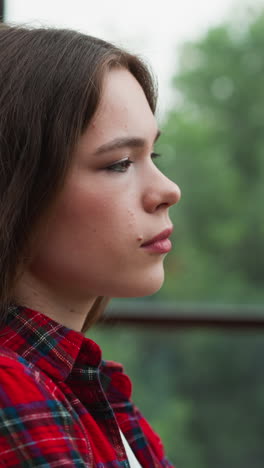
<point x="67" y="310"/>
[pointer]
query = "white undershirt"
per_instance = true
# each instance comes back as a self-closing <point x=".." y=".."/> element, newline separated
<point x="133" y="462"/>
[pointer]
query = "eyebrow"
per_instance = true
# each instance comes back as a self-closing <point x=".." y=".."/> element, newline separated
<point x="125" y="142"/>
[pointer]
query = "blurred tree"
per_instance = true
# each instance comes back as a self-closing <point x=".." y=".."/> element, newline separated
<point x="213" y="143"/>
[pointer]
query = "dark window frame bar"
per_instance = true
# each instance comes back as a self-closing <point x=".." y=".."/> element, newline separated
<point x="185" y="322"/>
<point x="235" y="318"/>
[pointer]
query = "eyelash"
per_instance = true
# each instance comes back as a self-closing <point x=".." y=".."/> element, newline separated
<point x="126" y="163"/>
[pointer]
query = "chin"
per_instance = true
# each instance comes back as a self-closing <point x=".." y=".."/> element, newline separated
<point x="146" y="287"/>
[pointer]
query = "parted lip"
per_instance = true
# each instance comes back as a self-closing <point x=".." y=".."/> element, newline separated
<point x="163" y="235"/>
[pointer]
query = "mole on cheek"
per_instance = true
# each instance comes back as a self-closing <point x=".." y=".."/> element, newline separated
<point x="132" y="222"/>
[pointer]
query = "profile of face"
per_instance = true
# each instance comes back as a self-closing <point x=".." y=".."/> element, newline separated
<point x="114" y="200"/>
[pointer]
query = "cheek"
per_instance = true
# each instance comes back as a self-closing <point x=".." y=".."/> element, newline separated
<point x="109" y="213"/>
<point x="86" y="223"/>
<point x="81" y="216"/>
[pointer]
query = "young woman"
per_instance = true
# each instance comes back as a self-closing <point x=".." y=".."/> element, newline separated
<point x="84" y="217"/>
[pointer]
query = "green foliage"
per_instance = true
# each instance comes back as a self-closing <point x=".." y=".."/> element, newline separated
<point x="213" y="143"/>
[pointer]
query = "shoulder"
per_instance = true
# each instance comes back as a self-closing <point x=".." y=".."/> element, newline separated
<point x="9" y="357"/>
<point x="18" y="378"/>
<point x="12" y="363"/>
<point x="35" y="422"/>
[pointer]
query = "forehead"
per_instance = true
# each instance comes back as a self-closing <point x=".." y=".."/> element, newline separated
<point x="123" y="111"/>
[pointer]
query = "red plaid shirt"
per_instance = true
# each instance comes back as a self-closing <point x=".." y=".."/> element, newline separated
<point x="61" y="405"/>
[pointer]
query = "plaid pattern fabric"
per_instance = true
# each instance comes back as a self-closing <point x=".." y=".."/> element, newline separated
<point x="61" y="404"/>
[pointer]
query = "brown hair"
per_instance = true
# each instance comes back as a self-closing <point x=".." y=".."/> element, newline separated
<point x="50" y="87"/>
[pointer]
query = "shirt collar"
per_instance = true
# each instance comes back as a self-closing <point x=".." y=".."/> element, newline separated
<point x="50" y="346"/>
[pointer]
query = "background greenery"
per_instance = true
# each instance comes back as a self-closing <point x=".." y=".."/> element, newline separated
<point x="204" y="391"/>
<point x="213" y="146"/>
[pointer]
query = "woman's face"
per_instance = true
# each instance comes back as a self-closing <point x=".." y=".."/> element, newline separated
<point x="108" y="208"/>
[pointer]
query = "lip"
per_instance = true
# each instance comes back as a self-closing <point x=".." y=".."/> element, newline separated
<point x="161" y="246"/>
<point x="160" y="237"/>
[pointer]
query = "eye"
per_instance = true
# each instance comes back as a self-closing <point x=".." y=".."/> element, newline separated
<point x="120" y="166"/>
<point x="155" y="155"/>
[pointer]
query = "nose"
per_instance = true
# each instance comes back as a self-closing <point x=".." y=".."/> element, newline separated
<point x="160" y="192"/>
